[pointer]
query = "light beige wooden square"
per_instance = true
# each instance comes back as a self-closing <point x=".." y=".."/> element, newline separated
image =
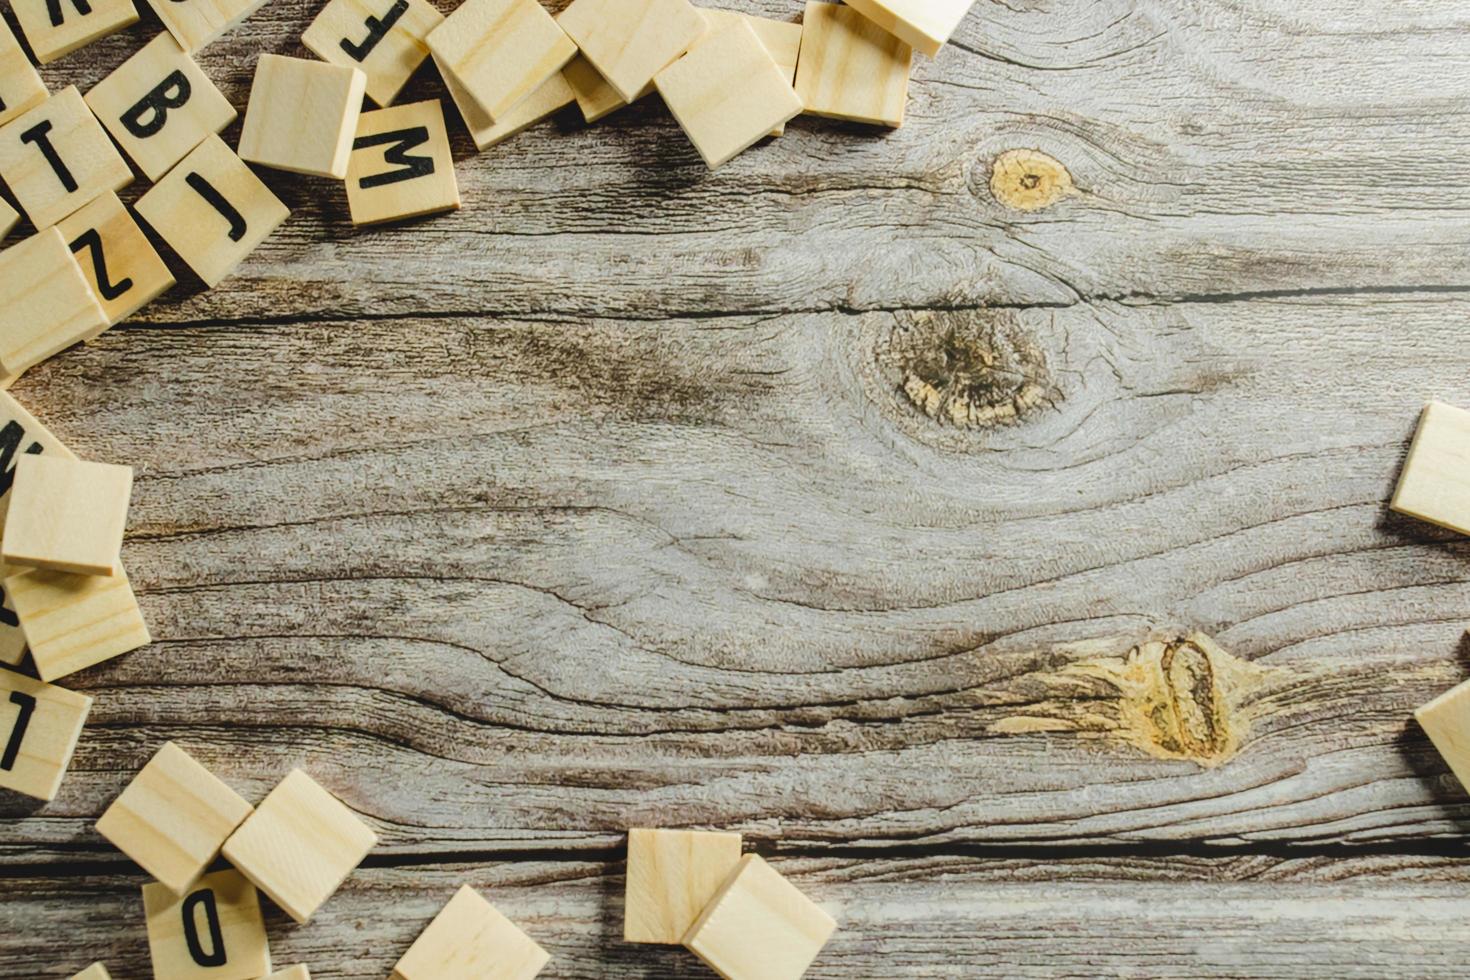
<point x="66" y="515"/>
<point x="759" y="925"/>
<point x="94" y="972"/>
<point x="48" y="304"/>
<point x="782" y="39"/>
<point x="672" y="875"/>
<point x="850" y="68"/>
<point x="9" y="218"/>
<point x="387" y="39"/>
<point x="630" y="41"/>
<point x="500" y="51"/>
<point x="87" y="165"/>
<point x="299" y="845"/>
<point x="727" y="93"/>
<point x="195" y="23"/>
<point x="297" y="972"/>
<point x="302" y="115"/>
<point x="74" y="621"/>
<point x="471" y="940"/>
<point x="159" y="105"/>
<point x="173" y="818"/>
<point x="924" y="24"/>
<point x="117" y="259"/>
<point x="39" y="727"/>
<point x="50" y="40"/>
<point x="212" y="236"/>
<point x="1434" y="485"/>
<point x="554" y="94"/>
<point x="12" y="637"/>
<point x="21" y="87"/>
<point x="595" y="97"/>
<point x="401" y="166"/>
<point x="222" y="911"/>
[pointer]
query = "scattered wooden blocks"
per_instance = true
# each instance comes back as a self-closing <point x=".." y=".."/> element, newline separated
<point x="116" y="257"/>
<point x="302" y="115"/>
<point x="1435" y="483"/>
<point x="66" y="515"/>
<point x="782" y="40"/>
<point x="215" y="932"/>
<point x="401" y="166"/>
<point x="759" y="926"/>
<point x="56" y="157"/>
<point x="195" y="23"/>
<point x="850" y="68"/>
<point x="212" y="210"/>
<point x="470" y="940"/>
<point x="595" y="97"/>
<point x="58" y="27"/>
<point x="672" y="875"/>
<point x="385" y="38"/>
<point x="500" y="51"/>
<point x="74" y="621"/>
<point x="924" y="24"/>
<point x="159" y="105"/>
<point x="553" y="94"/>
<point x="630" y="41"/>
<point x="94" y="972"/>
<point x="39" y="727"/>
<point x="21" y="87"/>
<point x="48" y="304"/>
<point x="727" y="93"/>
<point x="299" y="845"/>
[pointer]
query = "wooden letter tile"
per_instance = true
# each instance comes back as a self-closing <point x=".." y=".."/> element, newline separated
<point x="387" y="39"/>
<point x="1446" y="720"/>
<point x="21" y="87"/>
<point x="212" y="210"/>
<point x="159" y="105"/>
<point x="58" y="27"/>
<point x="850" y="68"/>
<point x="195" y="23"/>
<point x="297" y="972"/>
<point x="500" y="51"/>
<point x="727" y="93"/>
<point x="782" y="39"/>
<point x="299" y="845"/>
<point x="56" y="157"/>
<point x="401" y="166"/>
<point x="173" y="818"/>
<point x="553" y="94"/>
<point x="924" y="24"/>
<point x="470" y="940"/>
<point x="302" y="115"/>
<point x="630" y="41"/>
<point x="67" y="515"/>
<point x="74" y="621"/>
<point x="39" y="726"/>
<point x="116" y="257"/>
<point x="94" y="972"/>
<point x="595" y="97"/>
<point x="12" y="637"/>
<point x="672" y="875"/>
<point x="9" y="218"/>
<point x="48" y="305"/>
<point x="215" y="932"/>
<point x="759" y="925"/>
<point x="1435" y="483"/>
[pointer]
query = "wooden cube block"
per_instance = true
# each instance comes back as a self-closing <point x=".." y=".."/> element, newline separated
<point x="782" y="40"/>
<point x="297" y="972"/>
<point x="39" y="727"/>
<point x="1446" y="720"/>
<point x="302" y="115"/>
<point x="500" y="51"/>
<point x="470" y="940"/>
<point x="212" y="210"/>
<point x="74" y="621"/>
<point x="58" y="27"/>
<point x="94" y="972"/>
<point x="173" y="818"/>
<point x="117" y="259"/>
<point x="21" y="87"/>
<point x="66" y="515"/>
<point x="759" y="925"/>
<point x="1434" y="485"/>
<point x="215" y="932"/>
<point x="850" y="68"/>
<point x="48" y="305"/>
<point x="387" y="39"/>
<point x="299" y="845"/>
<point x="553" y="95"/>
<point x="727" y="93"/>
<point x="923" y="24"/>
<point x="401" y="166"/>
<point x="595" y="97"/>
<point x="672" y="875"/>
<point x="195" y="23"/>
<point x="630" y="41"/>
<point x="159" y="105"/>
<point x="56" y="157"/>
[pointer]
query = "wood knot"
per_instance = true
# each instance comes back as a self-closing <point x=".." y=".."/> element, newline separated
<point x="1029" y="180"/>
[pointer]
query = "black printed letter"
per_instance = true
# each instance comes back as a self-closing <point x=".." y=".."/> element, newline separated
<point x="92" y="241"/>
<point x="217" y="201"/>
<point x="171" y="93"/>
<point x="216" y="955"/>
<point x="26" y="704"/>
<point x="53" y="7"/>
<point x="37" y="135"/>
<point x="403" y="140"/>
<point x="376" y="30"/>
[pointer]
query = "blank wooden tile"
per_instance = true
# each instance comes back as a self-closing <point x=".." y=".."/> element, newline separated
<point x="401" y="166"/>
<point x="630" y="41"/>
<point x="782" y="39"/>
<point x="195" y="23"/>
<point x="59" y="27"/>
<point x="299" y="845"/>
<point x="39" y="727"/>
<point x="297" y="972"/>
<point x="759" y="925"/>
<point x="1434" y="485"/>
<point x="727" y="93"/>
<point x="500" y="51"/>
<point x="173" y="818"/>
<point x="56" y="157"/>
<point x="554" y="94"/>
<point x="159" y="105"/>
<point x="387" y="39"/>
<point x="74" y="621"/>
<point x="215" y="932"/>
<point x="302" y="115"/>
<point x="94" y="972"/>
<point x="116" y="257"/>
<point x="66" y="515"/>
<point x="850" y="68"/>
<point x="672" y="875"/>
<point x="48" y="305"/>
<point x="21" y="87"/>
<point x="212" y="210"/>
<point x="923" y="24"/>
<point x="471" y="940"/>
<point x="595" y="97"/>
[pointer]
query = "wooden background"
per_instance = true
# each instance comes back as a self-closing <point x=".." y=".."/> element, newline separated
<point x="823" y="498"/>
